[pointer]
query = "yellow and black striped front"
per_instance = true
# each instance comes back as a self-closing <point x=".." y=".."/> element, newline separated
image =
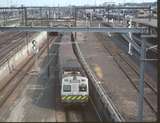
<point x="74" y="98"/>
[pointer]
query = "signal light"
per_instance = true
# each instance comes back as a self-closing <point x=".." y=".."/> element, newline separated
<point x="34" y="43"/>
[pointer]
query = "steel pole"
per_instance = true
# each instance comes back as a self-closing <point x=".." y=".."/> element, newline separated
<point x="141" y="82"/>
<point x="48" y="74"/>
<point x="150" y="12"/>
<point x="90" y="19"/>
<point x="75" y="22"/>
<point x="86" y="18"/>
<point x="41" y="15"/>
<point x="118" y="16"/>
<point x="25" y="16"/>
<point x="158" y="63"/>
<point x="22" y="16"/>
<point x="3" y="17"/>
<point x="108" y="14"/>
<point x="27" y="42"/>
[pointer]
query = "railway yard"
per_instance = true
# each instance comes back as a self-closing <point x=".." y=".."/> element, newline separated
<point x="31" y="58"/>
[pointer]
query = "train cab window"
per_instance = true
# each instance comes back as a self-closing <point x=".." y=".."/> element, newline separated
<point x="82" y="87"/>
<point x="66" y="88"/>
<point x="66" y="80"/>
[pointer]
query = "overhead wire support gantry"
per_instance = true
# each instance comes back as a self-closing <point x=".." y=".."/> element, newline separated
<point x="75" y="29"/>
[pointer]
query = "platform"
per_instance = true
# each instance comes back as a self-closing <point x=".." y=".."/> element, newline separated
<point x="117" y="85"/>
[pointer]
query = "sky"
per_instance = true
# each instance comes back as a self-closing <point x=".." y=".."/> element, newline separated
<point x="63" y="2"/>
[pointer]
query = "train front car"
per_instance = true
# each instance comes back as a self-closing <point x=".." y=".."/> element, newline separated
<point x="74" y="83"/>
<point x="74" y="87"/>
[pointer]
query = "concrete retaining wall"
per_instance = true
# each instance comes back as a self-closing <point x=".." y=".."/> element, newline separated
<point x="20" y="56"/>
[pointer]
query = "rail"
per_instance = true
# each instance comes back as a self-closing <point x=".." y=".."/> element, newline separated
<point x="13" y="51"/>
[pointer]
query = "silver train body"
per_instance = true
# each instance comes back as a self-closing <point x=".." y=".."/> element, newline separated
<point x="74" y="83"/>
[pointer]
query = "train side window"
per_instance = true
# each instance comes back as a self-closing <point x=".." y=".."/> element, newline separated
<point x="66" y="88"/>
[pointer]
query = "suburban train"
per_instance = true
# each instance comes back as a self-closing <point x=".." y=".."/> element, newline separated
<point x="74" y="83"/>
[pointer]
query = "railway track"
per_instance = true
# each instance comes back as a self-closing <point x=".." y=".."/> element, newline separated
<point x="6" y="44"/>
<point x="12" y="48"/>
<point x="75" y="114"/>
<point x="16" y="78"/>
<point x="9" y="36"/>
<point x="133" y="67"/>
<point x="71" y="113"/>
<point x="131" y="72"/>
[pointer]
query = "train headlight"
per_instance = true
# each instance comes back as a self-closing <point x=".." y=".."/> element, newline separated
<point x="83" y="87"/>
